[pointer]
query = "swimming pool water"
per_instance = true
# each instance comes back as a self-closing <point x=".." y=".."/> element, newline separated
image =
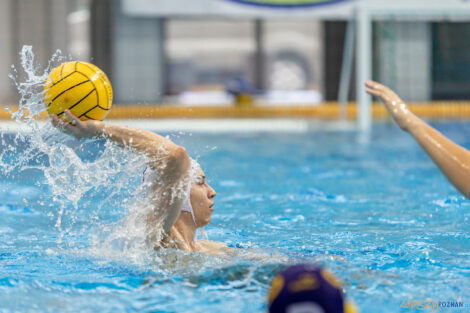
<point x="380" y="215"/>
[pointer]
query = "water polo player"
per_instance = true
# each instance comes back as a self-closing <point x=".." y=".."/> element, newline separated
<point x="452" y="159"/>
<point x="182" y="199"/>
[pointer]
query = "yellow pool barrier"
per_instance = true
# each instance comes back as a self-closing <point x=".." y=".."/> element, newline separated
<point x="323" y="111"/>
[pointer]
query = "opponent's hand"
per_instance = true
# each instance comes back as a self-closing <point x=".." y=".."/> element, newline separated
<point x="395" y="106"/>
<point x="77" y="128"/>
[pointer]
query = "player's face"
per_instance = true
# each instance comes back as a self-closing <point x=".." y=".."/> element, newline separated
<point x="202" y="200"/>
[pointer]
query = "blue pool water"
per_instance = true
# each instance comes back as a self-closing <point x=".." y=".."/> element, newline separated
<point x="380" y="215"/>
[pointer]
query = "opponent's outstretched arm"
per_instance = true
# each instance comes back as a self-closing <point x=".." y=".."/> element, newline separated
<point x="171" y="160"/>
<point x="452" y="159"/>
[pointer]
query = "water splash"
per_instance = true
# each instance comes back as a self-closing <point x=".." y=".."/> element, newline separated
<point x="31" y="90"/>
<point x="83" y="191"/>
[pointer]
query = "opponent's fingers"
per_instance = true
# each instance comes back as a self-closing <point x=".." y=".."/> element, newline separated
<point x="370" y="84"/>
<point x="379" y="93"/>
<point x="384" y="90"/>
<point x="374" y="85"/>
<point x="374" y="92"/>
<point x="386" y="98"/>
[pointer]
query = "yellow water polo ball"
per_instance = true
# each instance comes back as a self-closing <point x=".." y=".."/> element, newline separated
<point x="80" y="87"/>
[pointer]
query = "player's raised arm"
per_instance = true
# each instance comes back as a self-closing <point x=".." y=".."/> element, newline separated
<point x="452" y="159"/>
<point x="159" y="149"/>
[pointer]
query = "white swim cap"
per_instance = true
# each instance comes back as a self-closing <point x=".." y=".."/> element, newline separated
<point x="187" y="207"/>
<point x="193" y="174"/>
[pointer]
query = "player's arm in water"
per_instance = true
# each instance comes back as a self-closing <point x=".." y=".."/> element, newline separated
<point x="171" y="161"/>
<point x="452" y="159"/>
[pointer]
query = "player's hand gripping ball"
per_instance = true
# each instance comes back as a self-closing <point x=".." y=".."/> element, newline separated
<point x="80" y="87"/>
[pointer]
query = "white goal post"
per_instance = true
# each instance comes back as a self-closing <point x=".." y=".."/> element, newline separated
<point x="369" y="11"/>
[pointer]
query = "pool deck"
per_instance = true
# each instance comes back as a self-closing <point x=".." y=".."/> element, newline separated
<point x="248" y="125"/>
<point x="298" y="118"/>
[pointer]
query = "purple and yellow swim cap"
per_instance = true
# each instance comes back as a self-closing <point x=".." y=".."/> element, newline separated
<point x="306" y="288"/>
